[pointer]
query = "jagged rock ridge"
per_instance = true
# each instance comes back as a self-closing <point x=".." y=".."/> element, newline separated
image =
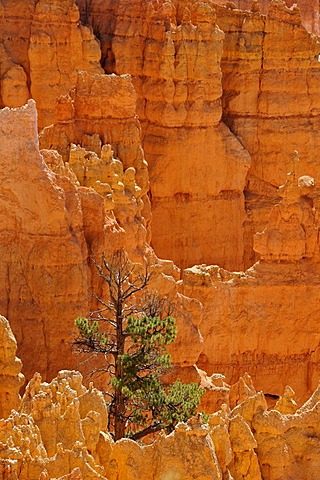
<point x="58" y="431"/>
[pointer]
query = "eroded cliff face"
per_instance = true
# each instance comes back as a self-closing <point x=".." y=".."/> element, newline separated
<point x="11" y="378"/>
<point x="52" y="226"/>
<point x="193" y="158"/>
<point x="270" y="102"/>
<point x="182" y="146"/>
<point x="166" y="47"/>
<point x="261" y="317"/>
<point x="51" y="48"/>
<point x="182" y="59"/>
<point x="310" y="10"/>
<point x="44" y="253"/>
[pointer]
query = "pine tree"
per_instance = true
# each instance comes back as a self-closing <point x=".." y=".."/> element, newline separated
<point x="132" y="340"/>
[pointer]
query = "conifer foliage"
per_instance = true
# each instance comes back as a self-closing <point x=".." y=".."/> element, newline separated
<point x="131" y="339"/>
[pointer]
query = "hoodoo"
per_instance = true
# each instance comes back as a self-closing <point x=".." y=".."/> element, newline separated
<point x="184" y="133"/>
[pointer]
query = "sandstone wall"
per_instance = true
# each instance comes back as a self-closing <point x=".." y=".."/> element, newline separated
<point x="259" y="103"/>
<point x="165" y="48"/>
<point x="270" y="70"/>
<point x="309" y="10"/>
<point x="58" y="51"/>
<point x="51" y="226"/>
<point x="52" y="46"/>
<point x="194" y="160"/>
<point x="100" y="116"/>
<point x="259" y="323"/>
<point x="264" y="321"/>
<point x="15" y="69"/>
<point x="44" y="261"/>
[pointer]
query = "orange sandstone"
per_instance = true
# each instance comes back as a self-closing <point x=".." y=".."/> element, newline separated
<point x="257" y="321"/>
<point x="50" y="232"/>
<point x="44" y="252"/>
<point x="52" y="47"/>
<point x="270" y="75"/>
<point x="216" y="90"/>
<point x="11" y="378"/>
<point x="194" y="160"/>
<point x="310" y="12"/>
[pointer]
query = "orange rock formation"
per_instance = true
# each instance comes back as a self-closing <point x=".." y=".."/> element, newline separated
<point x="50" y="232"/>
<point x="182" y="146"/>
<point x="258" y="101"/>
<point x="42" y="234"/>
<point x="270" y="100"/>
<point x="51" y="48"/>
<point x="59" y="432"/>
<point x="310" y="11"/>
<point x="260" y="316"/>
<point x="11" y="378"/>
<point x="193" y="157"/>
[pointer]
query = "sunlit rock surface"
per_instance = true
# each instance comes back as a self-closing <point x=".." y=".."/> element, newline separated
<point x="58" y="431"/>
<point x="182" y="147"/>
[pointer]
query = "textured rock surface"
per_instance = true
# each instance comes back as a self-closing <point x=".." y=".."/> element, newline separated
<point x="49" y="232"/>
<point x="165" y="48"/>
<point x="52" y="47"/>
<point x="193" y="158"/>
<point x="270" y="75"/>
<point x="189" y="159"/>
<point x="56" y="431"/>
<point x="11" y="378"/>
<point x="188" y="67"/>
<point x="61" y="49"/>
<point x="257" y="321"/>
<point x="100" y="116"/>
<point x="44" y="253"/>
<point x="292" y="230"/>
<point x="283" y="436"/>
<point x="310" y="11"/>
<point x="59" y="433"/>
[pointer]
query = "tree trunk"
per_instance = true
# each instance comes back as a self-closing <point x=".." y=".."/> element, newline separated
<point x="119" y="415"/>
<point x="119" y="404"/>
